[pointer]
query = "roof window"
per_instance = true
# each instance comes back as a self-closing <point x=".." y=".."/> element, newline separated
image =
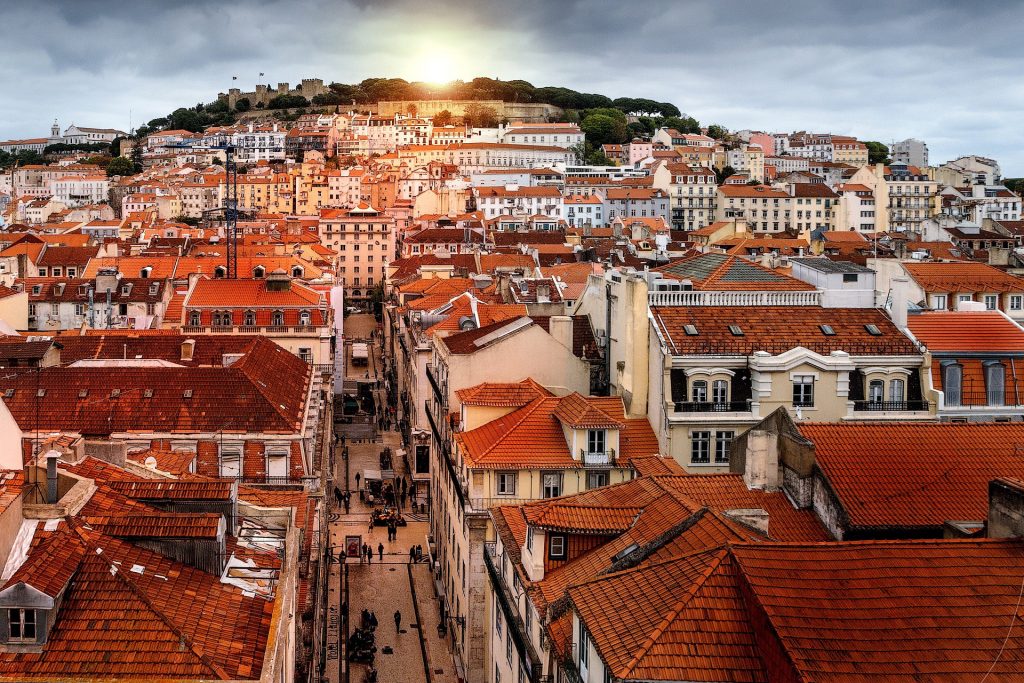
<point x="40" y="393"/>
<point x="827" y="330"/>
<point x="691" y="330"/>
<point x="736" y="330"/>
<point x="148" y="393"/>
<point x="82" y="393"/>
<point x="114" y="393"/>
<point x="9" y="393"/>
<point x="873" y="330"/>
<point x="187" y="393"/>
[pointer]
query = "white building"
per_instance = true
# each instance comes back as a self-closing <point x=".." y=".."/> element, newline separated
<point x="79" y="190"/>
<point x="80" y="135"/>
<point x="563" y="135"/>
<point x="259" y="143"/>
<point x="911" y="151"/>
<point x="517" y="200"/>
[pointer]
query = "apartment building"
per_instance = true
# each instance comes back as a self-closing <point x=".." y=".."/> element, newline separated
<point x="692" y="194"/>
<point x="364" y="239"/>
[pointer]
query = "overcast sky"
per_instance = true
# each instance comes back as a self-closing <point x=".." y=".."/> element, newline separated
<point x="948" y="72"/>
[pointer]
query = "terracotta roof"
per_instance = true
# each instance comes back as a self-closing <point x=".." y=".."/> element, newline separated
<point x="577" y="412"/>
<point x="962" y="277"/>
<point x="532" y="437"/>
<point x="915" y="475"/>
<point x="506" y="395"/>
<point x="172" y="489"/>
<point x="251" y="293"/>
<point x="765" y="328"/>
<point x="982" y="331"/>
<point x="166" y="525"/>
<point x="721" y="272"/>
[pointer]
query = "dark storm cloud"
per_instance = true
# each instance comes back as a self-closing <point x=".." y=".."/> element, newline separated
<point x="944" y="71"/>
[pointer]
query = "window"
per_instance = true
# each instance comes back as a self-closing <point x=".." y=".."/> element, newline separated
<point x="277" y="463"/>
<point x="231" y="461"/>
<point x="556" y="547"/>
<point x="305" y="318"/>
<point x="194" y="319"/>
<point x="250" y="318"/>
<point x="700" y="447"/>
<point x="965" y="297"/>
<point x="552" y="484"/>
<point x="596" y="440"/>
<point x="497" y="673"/>
<point x="991" y="302"/>
<point x="699" y="391"/>
<point x="499" y="620"/>
<point x="529" y="542"/>
<point x="873" y="330"/>
<point x="584" y="646"/>
<point x="827" y="330"/>
<point x="22" y="624"/>
<point x="897" y="390"/>
<point x="277" y="318"/>
<point x="952" y="377"/>
<point x="876" y="391"/>
<point x="803" y="390"/>
<point x="597" y="479"/>
<point x="1016" y="302"/>
<point x="723" y="440"/>
<point x="939" y="302"/>
<point x="79" y="309"/>
<point x="995" y="383"/>
<point x="719" y="392"/>
<point x="506" y="483"/>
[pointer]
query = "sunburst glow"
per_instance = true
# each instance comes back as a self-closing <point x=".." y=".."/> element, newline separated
<point x="434" y="65"/>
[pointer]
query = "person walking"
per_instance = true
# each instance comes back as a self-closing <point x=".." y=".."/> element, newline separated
<point x="412" y="554"/>
<point x="398" y="621"/>
<point x="370" y="528"/>
<point x="369" y="554"/>
<point x="403" y="498"/>
<point x="380" y="549"/>
<point x="357" y="479"/>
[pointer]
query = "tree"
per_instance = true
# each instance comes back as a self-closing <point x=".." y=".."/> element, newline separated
<point x="443" y="118"/>
<point x="243" y="104"/>
<point x="411" y="109"/>
<point x="722" y="173"/>
<point x="480" y="116"/>
<point x="287" y="102"/>
<point x="187" y="220"/>
<point x="602" y="129"/>
<point x="877" y="153"/>
<point x="717" y="132"/>
<point x="120" y="166"/>
<point x="136" y="156"/>
<point x="684" y="124"/>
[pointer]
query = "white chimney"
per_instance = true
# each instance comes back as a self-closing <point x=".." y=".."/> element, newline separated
<point x="560" y="327"/>
<point x="187" y="348"/>
<point x="900" y="287"/>
<point x="761" y="469"/>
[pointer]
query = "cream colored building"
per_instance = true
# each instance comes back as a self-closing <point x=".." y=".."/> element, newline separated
<point x="364" y="239"/>
<point x="692" y="193"/>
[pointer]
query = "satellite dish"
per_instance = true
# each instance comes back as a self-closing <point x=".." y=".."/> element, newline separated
<point x="151" y="462"/>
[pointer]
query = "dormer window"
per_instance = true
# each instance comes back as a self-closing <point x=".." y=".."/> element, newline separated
<point x="250" y="318"/>
<point x="220" y="272"/>
<point x="194" y="319"/>
<point x="296" y="271"/>
<point x="259" y="271"/>
<point x="597" y="440"/>
<point x="154" y="288"/>
<point x="145" y="272"/>
<point x="21" y="625"/>
<point x="277" y="318"/>
<point x="304" y="318"/>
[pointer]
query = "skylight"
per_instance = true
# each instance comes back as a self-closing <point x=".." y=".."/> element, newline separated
<point x="736" y="330"/>
<point x="690" y="330"/>
<point x="827" y="330"/>
<point x="873" y="330"/>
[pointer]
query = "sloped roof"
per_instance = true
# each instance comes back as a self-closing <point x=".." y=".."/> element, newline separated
<point x="983" y="331"/>
<point x="962" y="277"/>
<point x="914" y="475"/>
<point x="502" y="394"/>
<point x="717" y="272"/>
<point x="252" y="293"/>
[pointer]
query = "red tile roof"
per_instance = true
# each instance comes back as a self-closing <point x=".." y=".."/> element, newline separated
<point x="252" y="293"/>
<point x="776" y="330"/>
<point x="962" y="277"/>
<point x="499" y="394"/>
<point x="721" y="272"/>
<point x="915" y="475"/>
<point x="971" y="331"/>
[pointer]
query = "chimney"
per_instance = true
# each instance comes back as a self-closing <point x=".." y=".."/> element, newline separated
<point x="761" y="469"/>
<point x="1006" y="508"/>
<point x="900" y="286"/>
<point x="560" y="327"/>
<point x="188" y="347"/>
<point x="52" y="457"/>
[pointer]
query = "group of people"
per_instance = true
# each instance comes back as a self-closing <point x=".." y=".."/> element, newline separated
<point x="343" y="498"/>
<point x="416" y="554"/>
<point x="366" y="553"/>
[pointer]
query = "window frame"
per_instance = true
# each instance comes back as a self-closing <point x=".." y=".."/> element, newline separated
<point x="561" y="554"/>
<point x="597" y="441"/>
<point x="502" y="478"/>
<point x="723" y="444"/>
<point x="23" y="624"/>
<point x="700" y="447"/>
<point x="559" y="483"/>
<point x="803" y="391"/>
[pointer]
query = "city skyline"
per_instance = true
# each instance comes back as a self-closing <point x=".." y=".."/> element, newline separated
<point x="880" y="67"/>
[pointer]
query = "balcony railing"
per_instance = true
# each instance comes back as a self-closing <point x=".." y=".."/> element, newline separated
<point x="705" y="298"/>
<point x="595" y="459"/>
<point x="446" y="456"/>
<point x="891" y="406"/>
<point x="977" y="400"/>
<point x="256" y="329"/>
<point x="509" y="606"/>
<point x="712" y="406"/>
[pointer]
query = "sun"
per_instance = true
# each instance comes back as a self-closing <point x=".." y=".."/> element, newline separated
<point x="434" y="66"/>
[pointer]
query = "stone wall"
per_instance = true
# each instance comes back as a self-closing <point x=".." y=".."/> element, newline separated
<point x="535" y="112"/>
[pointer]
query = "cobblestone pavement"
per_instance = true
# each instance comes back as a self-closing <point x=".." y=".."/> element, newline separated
<point x="418" y="654"/>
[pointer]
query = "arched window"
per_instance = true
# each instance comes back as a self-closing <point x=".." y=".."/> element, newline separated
<point x="296" y="271"/>
<point x="952" y="378"/>
<point x="305" y="318"/>
<point x="216" y="318"/>
<point x="250" y="318"/>
<point x="220" y="272"/>
<point x="897" y="390"/>
<point x="195" y="319"/>
<point x="259" y="271"/>
<point x="277" y="318"/>
<point x="995" y="383"/>
<point x="699" y="392"/>
<point x="876" y="391"/>
<point x="144" y="273"/>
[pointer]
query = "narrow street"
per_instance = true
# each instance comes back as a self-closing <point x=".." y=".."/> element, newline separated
<point x="415" y="652"/>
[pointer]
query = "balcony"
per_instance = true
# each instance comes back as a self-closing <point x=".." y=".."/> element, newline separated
<point x="531" y="662"/>
<point x="597" y="459"/>
<point x="712" y="406"/>
<point x="298" y="330"/>
<point x="977" y="401"/>
<point x="891" y="406"/>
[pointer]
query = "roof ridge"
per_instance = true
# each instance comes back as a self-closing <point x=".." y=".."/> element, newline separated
<point x="141" y="595"/>
<point x="659" y="630"/>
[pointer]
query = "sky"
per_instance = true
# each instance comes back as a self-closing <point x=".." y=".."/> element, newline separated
<point x="945" y="71"/>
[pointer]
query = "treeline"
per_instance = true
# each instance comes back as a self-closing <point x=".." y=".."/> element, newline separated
<point x="373" y="90"/>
